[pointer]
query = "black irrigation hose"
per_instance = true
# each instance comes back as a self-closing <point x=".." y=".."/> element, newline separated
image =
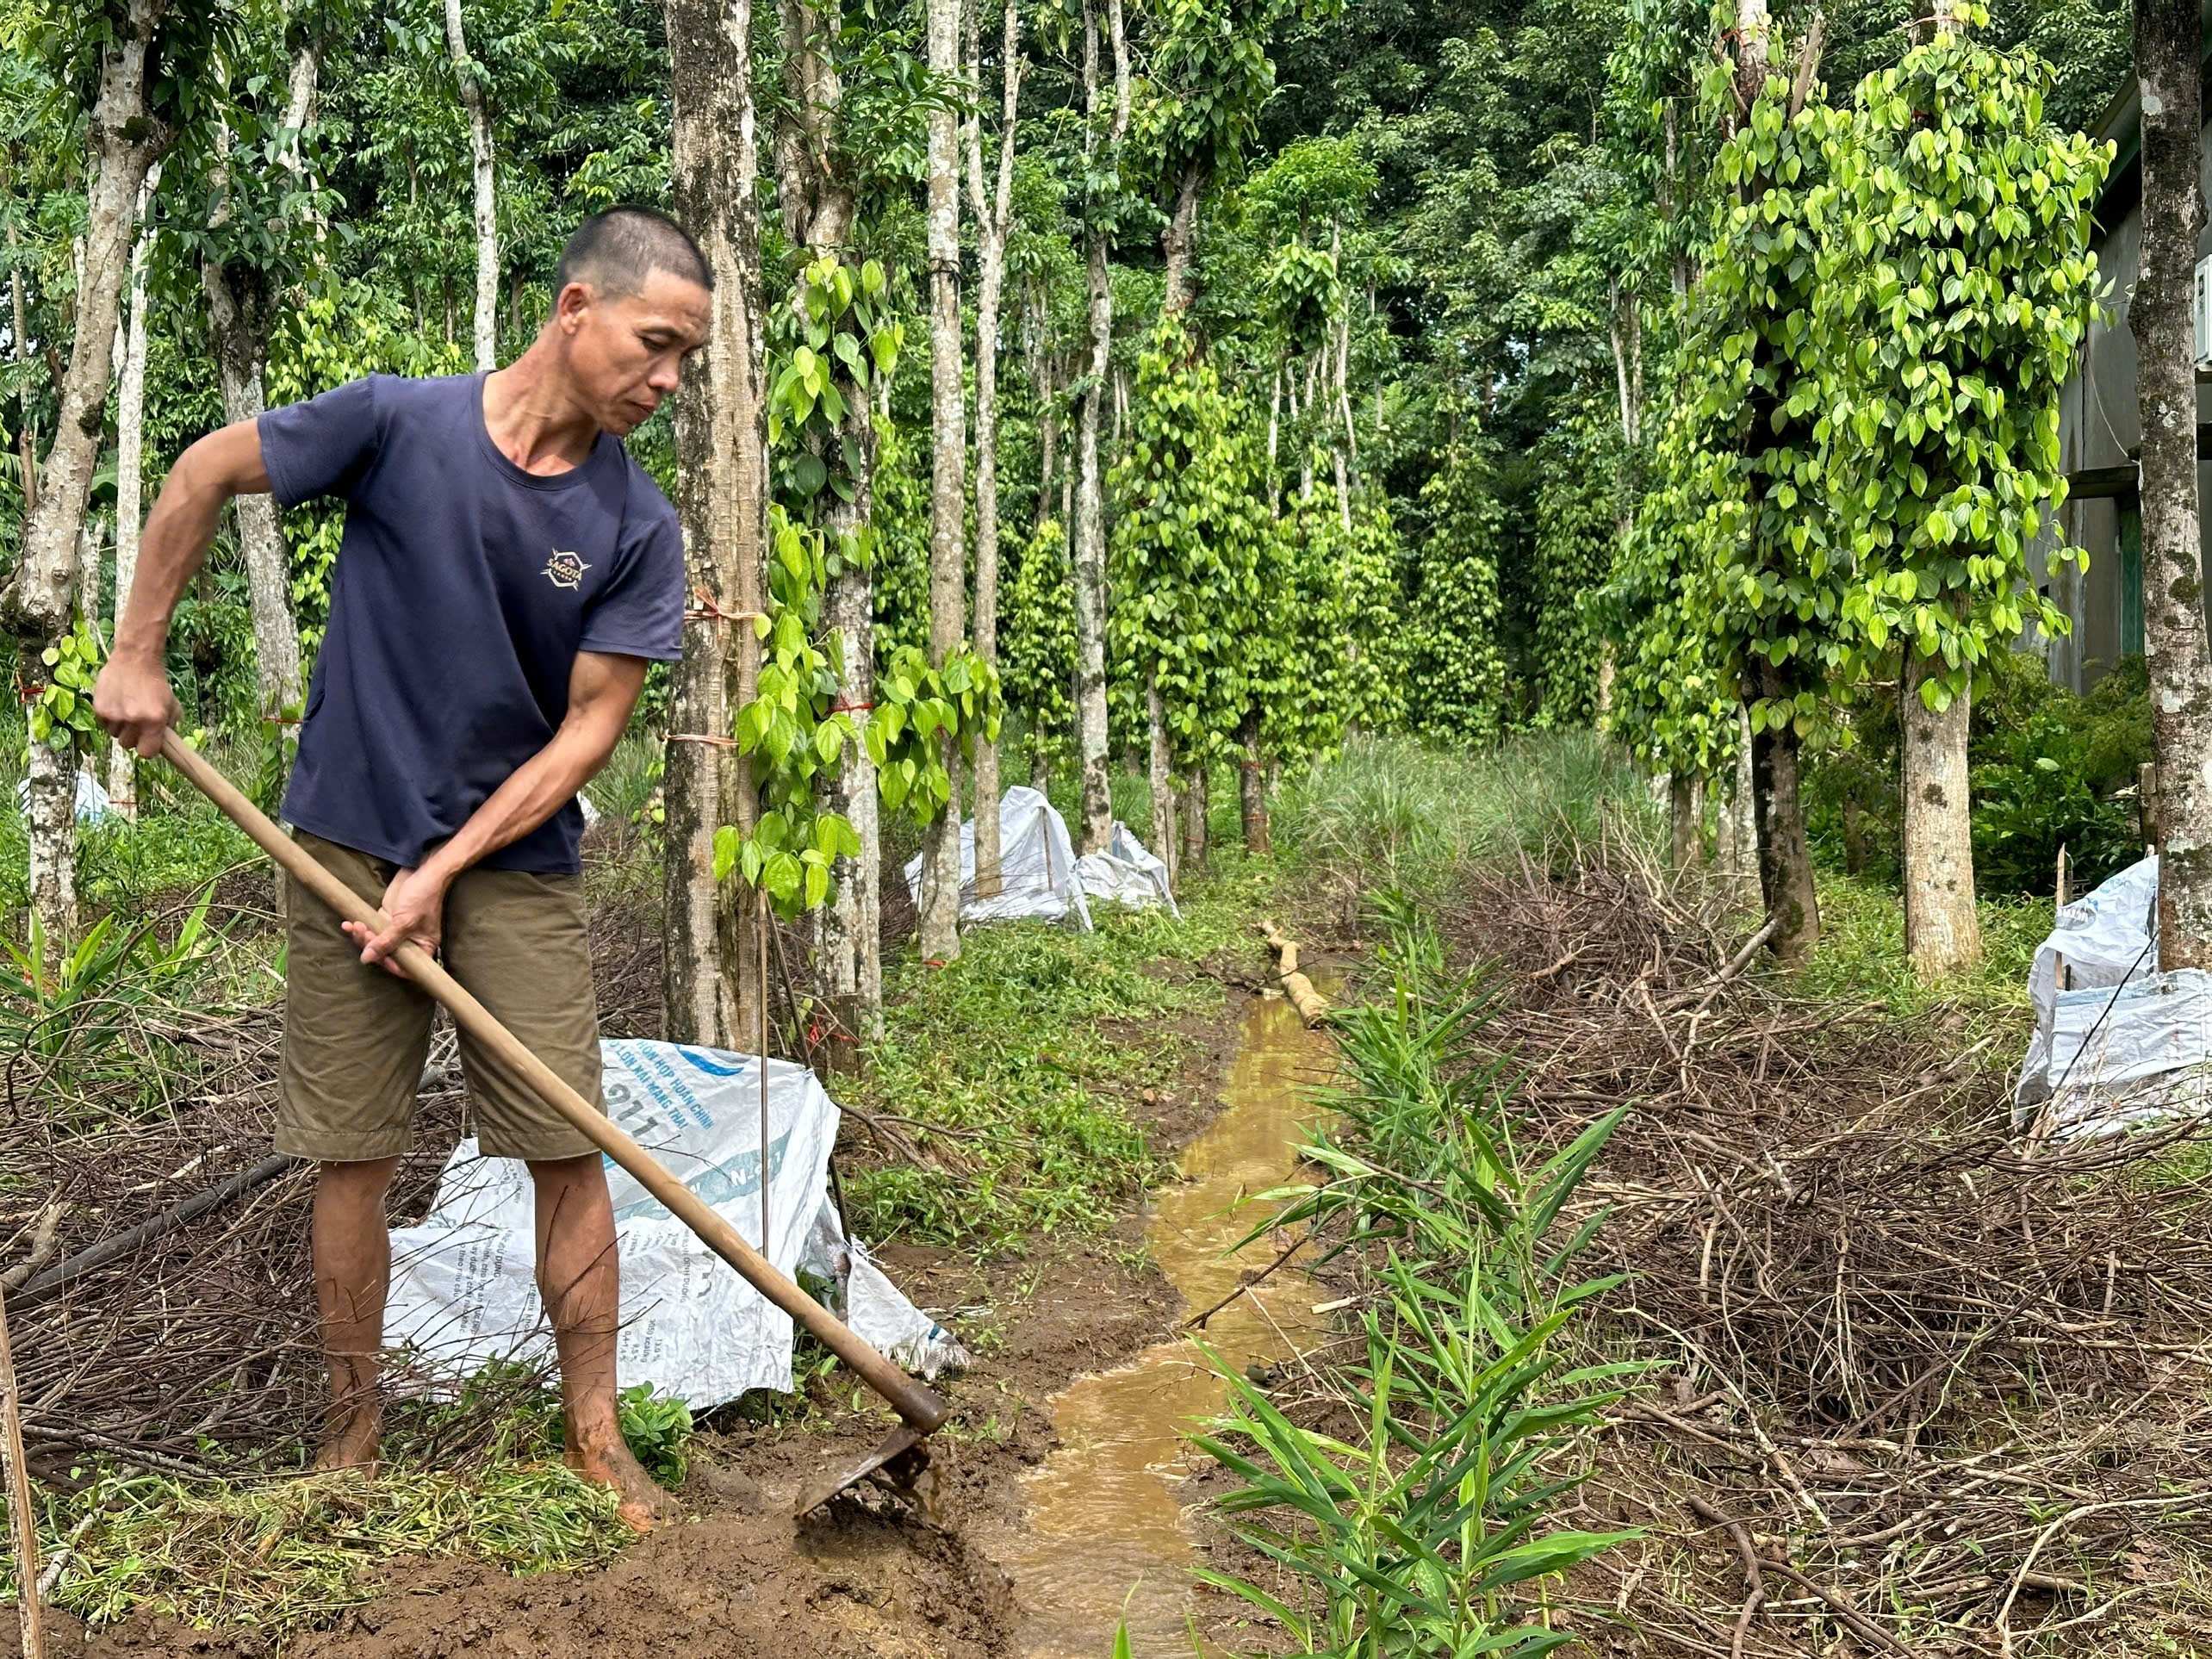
<point x="63" y="1273"/>
<point x="66" y="1272"/>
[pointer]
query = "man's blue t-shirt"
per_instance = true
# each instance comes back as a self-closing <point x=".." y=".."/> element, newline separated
<point x="463" y="590"/>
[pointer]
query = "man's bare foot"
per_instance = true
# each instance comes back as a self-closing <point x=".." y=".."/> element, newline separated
<point x="642" y="1501"/>
<point x="350" y="1440"/>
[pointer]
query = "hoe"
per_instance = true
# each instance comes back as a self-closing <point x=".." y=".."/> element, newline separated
<point x="902" y="1457"/>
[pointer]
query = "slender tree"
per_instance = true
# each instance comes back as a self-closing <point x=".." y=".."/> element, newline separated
<point x="940" y="844"/>
<point x="130" y="450"/>
<point x="711" y="988"/>
<point x="471" y="75"/>
<point x="994" y="220"/>
<point x="2168" y="54"/>
<point x="128" y="135"/>
<point x="242" y="291"/>
<point x="1104" y="180"/>
<point x="820" y="203"/>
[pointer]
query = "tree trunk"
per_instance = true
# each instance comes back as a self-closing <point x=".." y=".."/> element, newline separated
<point x="26" y="448"/>
<point x="1196" y="803"/>
<point x="1090" y="560"/>
<point x="1251" y="790"/>
<point x="712" y="989"/>
<point x="1177" y="242"/>
<point x="127" y="138"/>
<point x="130" y="466"/>
<point x="2175" y="650"/>
<point x="1162" y="781"/>
<point x="52" y="810"/>
<point x="1785" y="859"/>
<point x="816" y="196"/>
<point x="1686" y="805"/>
<point x="1048" y="426"/>
<point x="940" y="840"/>
<point x="237" y="325"/>
<point x="994" y="217"/>
<point x="471" y="76"/>
<point x="1942" y="932"/>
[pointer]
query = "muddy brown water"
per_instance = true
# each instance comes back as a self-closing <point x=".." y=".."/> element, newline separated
<point x="1106" y="1540"/>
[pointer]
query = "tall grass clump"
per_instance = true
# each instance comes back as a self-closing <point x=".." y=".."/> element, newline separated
<point x="1400" y="811"/>
<point x="1426" y="1531"/>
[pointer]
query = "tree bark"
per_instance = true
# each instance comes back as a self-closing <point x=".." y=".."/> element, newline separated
<point x="2175" y="649"/>
<point x="941" y="839"/>
<point x="127" y="138"/>
<point x="470" y="76"/>
<point x="51" y="810"/>
<point x="819" y="207"/>
<point x="1942" y="932"/>
<point x="1090" y="560"/>
<point x="1251" y="790"/>
<point x="712" y="989"/>
<point x="1158" y="772"/>
<point x="237" y="332"/>
<point x="1685" y="803"/>
<point x="1048" y="427"/>
<point x="994" y="214"/>
<point x="1785" y="859"/>
<point x="27" y="446"/>
<point x="1196" y="802"/>
<point x="130" y="466"/>
<point x="1178" y="242"/>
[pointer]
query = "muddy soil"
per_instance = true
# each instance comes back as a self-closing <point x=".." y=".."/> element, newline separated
<point x="866" y="1576"/>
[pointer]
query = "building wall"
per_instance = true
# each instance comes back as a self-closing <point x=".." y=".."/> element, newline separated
<point x="2099" y="427"/>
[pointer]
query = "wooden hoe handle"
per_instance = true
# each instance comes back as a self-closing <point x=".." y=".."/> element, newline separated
<point x="922" y="1409"/>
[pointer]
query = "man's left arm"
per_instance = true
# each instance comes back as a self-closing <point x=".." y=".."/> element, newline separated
<point x="603" y="688"/>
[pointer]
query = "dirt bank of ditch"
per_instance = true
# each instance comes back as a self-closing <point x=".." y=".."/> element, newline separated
<point x="866" y="1576"/>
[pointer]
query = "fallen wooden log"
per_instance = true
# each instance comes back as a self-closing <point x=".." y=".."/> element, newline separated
<point x="1312" y="1006"/>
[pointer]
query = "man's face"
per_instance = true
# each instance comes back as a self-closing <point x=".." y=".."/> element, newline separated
<point x="626" y="351"/>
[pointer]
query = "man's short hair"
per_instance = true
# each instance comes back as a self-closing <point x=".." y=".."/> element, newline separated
<point x="614" y="252"/>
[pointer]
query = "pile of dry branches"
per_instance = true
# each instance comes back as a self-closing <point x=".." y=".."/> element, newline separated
<point x="1924" y="1384"/>
<point x="147" y="1128"/>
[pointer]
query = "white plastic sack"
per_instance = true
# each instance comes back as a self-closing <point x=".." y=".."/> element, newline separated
<point x="463" y="1282"/>
<point x="93" y="805"/>
<point x="1126" y="873"/>
<point x="1036" y="865"/>
<point x="2105" y="937"/>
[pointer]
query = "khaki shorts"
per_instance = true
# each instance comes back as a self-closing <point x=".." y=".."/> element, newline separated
<point x="356" y="1038"/>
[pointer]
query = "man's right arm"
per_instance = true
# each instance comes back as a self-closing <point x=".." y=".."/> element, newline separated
<point x="132" y="698"/>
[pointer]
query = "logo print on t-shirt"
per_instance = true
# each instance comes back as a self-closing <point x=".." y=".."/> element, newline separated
<point x="564" y="569"/>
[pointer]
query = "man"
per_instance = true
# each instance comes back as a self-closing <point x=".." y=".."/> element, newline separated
<point x="507" y="573"/>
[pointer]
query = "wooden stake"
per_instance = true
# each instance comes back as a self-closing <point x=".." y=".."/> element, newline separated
<point x="2058" y="964"/>
<point x="19" y="1496"/>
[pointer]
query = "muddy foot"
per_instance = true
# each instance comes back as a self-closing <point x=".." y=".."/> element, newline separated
<point x="643" y="1504"/>
<point x="350" y="1441"/>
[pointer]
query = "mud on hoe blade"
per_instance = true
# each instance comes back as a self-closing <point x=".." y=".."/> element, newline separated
<point x="901" y="1460"/>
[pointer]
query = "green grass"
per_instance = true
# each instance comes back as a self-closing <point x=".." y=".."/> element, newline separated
<point x="1860" y="957"/>
<point x="289" y="1553"/>
<point x="1402" y="814"/>
<point x="1017" y="1065"/>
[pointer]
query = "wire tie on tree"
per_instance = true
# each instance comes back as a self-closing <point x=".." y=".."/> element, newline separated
<point x="708" y="609"/>
<point x="702" y="737"/>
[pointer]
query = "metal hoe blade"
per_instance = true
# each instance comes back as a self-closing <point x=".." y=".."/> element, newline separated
<point x="901" y="1459"/>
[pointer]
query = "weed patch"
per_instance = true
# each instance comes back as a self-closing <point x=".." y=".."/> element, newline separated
<point x="1012" y="1071"/>
<point x="282" y="1555"/>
